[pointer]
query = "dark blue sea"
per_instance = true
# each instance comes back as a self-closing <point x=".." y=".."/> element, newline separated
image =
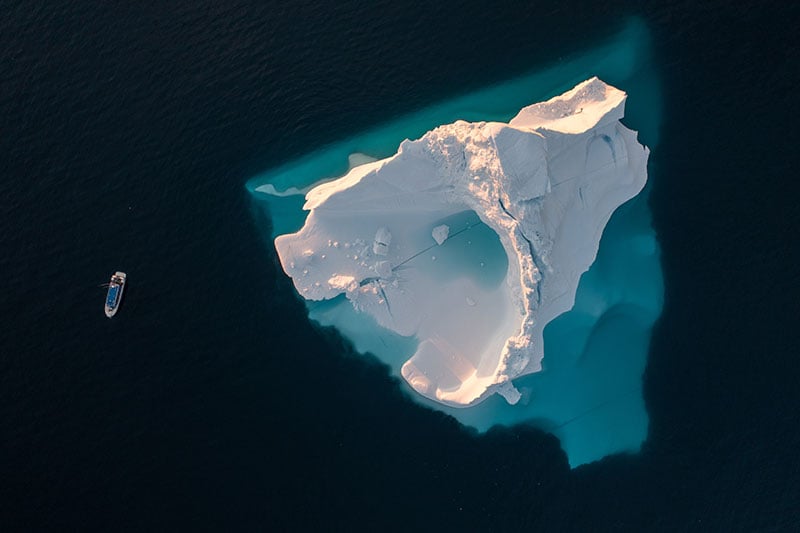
<point x="127" y="133"/>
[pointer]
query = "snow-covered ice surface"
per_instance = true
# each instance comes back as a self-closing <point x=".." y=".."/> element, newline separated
<point x="546" y="183"/>
<point x="448" y="259"/>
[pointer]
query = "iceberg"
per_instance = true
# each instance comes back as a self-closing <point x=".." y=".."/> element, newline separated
<point x="589" y="390"/>
<point x="394" y="237"/>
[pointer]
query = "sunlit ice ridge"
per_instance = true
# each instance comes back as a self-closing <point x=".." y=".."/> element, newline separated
<point x="589" y="390"/>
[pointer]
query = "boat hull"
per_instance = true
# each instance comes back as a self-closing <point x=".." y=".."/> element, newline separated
<point x="116" y="288"/>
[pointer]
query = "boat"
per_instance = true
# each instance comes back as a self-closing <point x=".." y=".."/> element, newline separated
<point x="114" y="296"/>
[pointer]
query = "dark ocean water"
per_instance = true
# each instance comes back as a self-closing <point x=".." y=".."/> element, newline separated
<point x="128" y="131"/>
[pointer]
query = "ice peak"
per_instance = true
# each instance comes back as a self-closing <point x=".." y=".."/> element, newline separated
<point x="588" y="105"/>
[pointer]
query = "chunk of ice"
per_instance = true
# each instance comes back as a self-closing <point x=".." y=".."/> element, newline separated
<point x="546" y="183"/>
<point x="383" y="239"/>
<point x="440" y="233"/>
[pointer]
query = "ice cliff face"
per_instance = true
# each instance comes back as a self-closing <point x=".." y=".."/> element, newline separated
<point x="546" y="183"/>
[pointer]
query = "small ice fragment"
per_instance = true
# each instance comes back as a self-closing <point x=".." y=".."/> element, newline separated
<point x="382" y="240"/>
<point x="357" y="159"/>
<point x="343" y="282"/>
<point x="470" y="302"/>
<point x="440" y="233"/>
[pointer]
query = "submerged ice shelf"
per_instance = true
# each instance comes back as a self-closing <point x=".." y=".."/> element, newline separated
<point x="546" y="183"/>
<point x="458" y="251"/>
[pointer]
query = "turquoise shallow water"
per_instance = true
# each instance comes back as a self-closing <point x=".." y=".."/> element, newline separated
<point x="589" y="393"/>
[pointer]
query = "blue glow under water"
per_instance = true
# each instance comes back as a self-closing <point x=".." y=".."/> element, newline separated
<point x="589" y="393"/>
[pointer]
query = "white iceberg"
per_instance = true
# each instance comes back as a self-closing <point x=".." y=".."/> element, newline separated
<point x="546" y="183"/>
<point x="440" y="233"/>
